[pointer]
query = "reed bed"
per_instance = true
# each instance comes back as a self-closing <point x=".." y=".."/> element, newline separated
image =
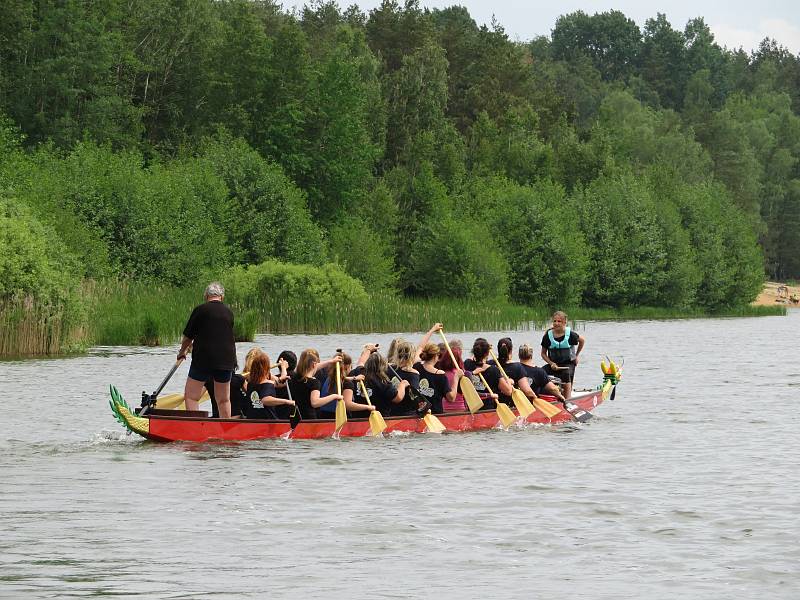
<point x="31" y="329"/>
<point x="123" y="313"/>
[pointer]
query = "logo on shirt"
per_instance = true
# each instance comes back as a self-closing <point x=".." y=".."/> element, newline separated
<point x="425" y="388"/>
<point x="255" y="400"/>
<point x="476" y="381"/>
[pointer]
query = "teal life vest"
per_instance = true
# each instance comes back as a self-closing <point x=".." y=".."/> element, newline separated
<point x="560" y="352"/>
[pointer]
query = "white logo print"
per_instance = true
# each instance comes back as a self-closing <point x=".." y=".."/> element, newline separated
<point x="425" y="389"/>
<point x="255" y="400"/>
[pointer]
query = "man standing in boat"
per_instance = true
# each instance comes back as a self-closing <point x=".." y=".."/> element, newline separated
<point x="210" y="332"/>
<point x="560" y="350"/>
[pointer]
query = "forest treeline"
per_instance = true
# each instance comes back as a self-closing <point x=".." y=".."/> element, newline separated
<point x="604" y="166"/>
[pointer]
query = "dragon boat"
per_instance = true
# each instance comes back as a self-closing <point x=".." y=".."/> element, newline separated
<point x="196" y="426"/>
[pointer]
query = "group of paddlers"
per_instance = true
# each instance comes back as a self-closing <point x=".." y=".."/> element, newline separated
<point x="410" y="380"/>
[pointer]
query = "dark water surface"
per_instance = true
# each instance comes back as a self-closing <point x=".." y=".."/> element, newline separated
<point x="687" y="485"/>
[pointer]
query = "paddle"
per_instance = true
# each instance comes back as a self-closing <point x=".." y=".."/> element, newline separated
<point x="295" y="417"/>
<point x="341" y="411"/>
<point x="507" y="416"/>
<point x="149" y="402"/>
<point x="376" y="422"/>
<point x="524" y="406"/>
<point x="471" y="395"/>
<point x="432" y="422"/>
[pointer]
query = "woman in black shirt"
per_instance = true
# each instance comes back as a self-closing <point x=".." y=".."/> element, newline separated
<point x="533" y="380"/>
<point x="477" y="366"/>
<point x="405" y="371"/>
<point x="305" y="387"/>
<point x="260" y="389"/>
<point x="433" y="382"/>
<point x="383" y="393"/>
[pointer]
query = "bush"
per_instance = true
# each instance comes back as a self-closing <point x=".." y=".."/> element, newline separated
<point x="273" y="282"/>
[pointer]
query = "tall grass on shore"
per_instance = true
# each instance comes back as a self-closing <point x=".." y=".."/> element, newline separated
<point x="28" y="328"/>
<point x="122" y="313"/>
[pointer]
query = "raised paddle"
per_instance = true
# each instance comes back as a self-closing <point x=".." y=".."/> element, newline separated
<point x="341" y="411"/>
<point x="376" y="422"/>
<point x="149" y="401"/>
<point x="432" y="422"/>
<point x="471" y="395"/>
<point x="506" y="415"/>
<point x="524" y="406"/>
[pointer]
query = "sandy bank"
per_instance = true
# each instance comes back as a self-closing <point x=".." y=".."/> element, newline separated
<point x="769" y="296"/>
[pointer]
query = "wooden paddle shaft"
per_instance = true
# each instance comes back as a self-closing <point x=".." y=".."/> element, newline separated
<point x="449" y="351"/>
<point x="364" y="391"/>
<point x="497" y="362"/>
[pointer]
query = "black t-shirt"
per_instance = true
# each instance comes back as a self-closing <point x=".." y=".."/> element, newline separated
<point x="512" y="370"/>
<point x="211" y="327"/>
<point x="407" y="406"/>
<point x="381" y="393"/>
<point x="492" y="377"/>
<point x="561" y="356"/>
<point x="253" y="407"/>
<point x="301" y="394"/>
<point x="536" y="376"/>
<point x="433" y="386"/>
<point x="283" y="410"/>
<point x="238" y="396"/>
<point x="358" y="397"/>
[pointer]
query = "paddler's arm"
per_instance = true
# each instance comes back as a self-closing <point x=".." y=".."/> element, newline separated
<point x="401" y="392"/>
<point x="425" y="339"/>
<point x="526" y="388"/>
<point x="552" y="389"/>
<point x="347" y="393"/>
<point x="365" y="352"/>
<point x="451" y="395"/>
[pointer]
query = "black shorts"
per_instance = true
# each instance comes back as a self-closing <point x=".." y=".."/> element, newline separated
<point x="203" y="374"/>
<point x="565" y="375"/>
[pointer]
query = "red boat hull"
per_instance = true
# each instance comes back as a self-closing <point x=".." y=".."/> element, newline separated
<point x="194" y="429"/>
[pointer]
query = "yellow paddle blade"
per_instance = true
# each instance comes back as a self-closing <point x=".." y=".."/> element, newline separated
<point x="549" y="410"/>
<point x="507" y="416"/>
<point x="524" y="406"/>
<point x="376" y="422"/>
<point x="433" y="423"/>
<point x="175" y="401"/>
<point x="471" y="395"/>
<point x="341" y="414"/>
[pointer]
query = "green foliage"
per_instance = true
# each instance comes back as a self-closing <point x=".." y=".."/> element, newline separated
<point x="267" y="215"/>
<point x="450" y="259"/>
<point x="33" y="262"/>
<point x="160" y="141"/>
<point x="535" y="229"/>
<point x="364" y="253"/>
<point x="273" y="283"/>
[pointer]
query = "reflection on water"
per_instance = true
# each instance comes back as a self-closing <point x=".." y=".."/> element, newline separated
<point x="686" y="484"/>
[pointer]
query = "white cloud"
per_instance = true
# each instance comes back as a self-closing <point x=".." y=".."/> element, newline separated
<point x="784" y="32"/>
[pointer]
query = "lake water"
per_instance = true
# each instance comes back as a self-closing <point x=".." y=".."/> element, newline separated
<point x="687" y="485"/>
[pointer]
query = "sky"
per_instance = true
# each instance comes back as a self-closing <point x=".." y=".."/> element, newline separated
<point x="734" y="24"/>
